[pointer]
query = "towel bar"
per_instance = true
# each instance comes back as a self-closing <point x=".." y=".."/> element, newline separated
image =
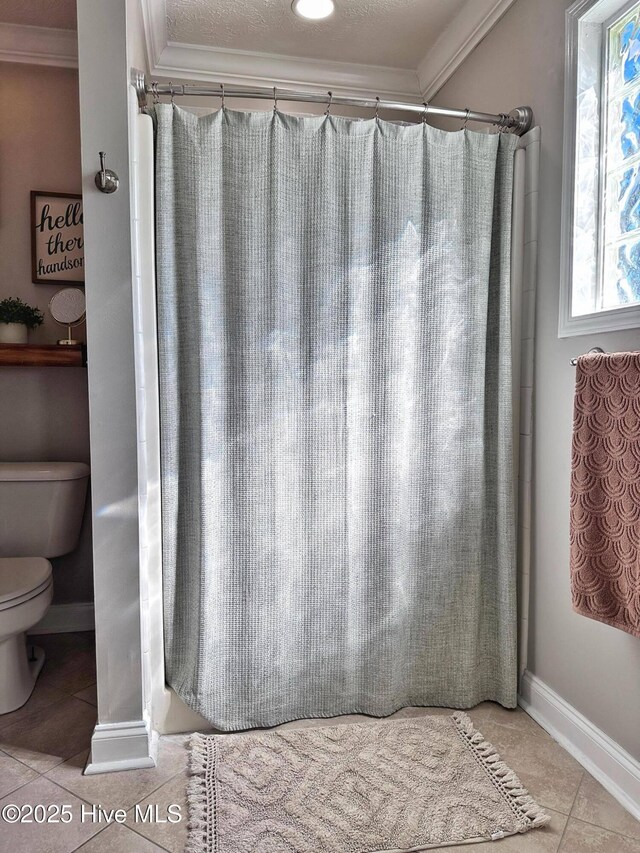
<point x="574" y="360"/>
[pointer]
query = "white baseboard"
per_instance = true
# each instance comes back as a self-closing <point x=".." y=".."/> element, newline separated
<point x="122" y="746"/>
<point x="603" y="758"/>
<point x="64" y="618"/>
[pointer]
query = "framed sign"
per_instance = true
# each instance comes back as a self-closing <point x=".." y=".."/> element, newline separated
<point x="57" y="238"/>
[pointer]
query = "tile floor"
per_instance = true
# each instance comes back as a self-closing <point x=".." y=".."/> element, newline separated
<point x="43" y="748"/>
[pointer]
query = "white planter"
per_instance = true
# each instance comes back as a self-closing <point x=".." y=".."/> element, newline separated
<point x="13" y="333"/>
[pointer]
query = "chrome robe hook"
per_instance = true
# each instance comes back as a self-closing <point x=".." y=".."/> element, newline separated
<point x="106" y="179"/>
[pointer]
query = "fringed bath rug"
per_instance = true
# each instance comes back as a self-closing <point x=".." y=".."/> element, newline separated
<point x="379" y="787"/>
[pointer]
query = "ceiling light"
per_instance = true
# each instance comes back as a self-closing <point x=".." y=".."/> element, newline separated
<point x="314" y="10"/>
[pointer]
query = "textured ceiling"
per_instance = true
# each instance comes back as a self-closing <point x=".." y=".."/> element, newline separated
<point x="39" y="13"/>
<point x="394" y="33"/>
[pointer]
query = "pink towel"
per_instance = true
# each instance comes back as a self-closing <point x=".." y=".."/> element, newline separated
<point x="605" y="490"/>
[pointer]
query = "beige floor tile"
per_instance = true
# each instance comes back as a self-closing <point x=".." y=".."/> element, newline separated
<point x="516" y="718"/>
<point x="119" y="839"/>
<point x="86" y="638"/>
<point x="89" y="694"/>
<point x="183" y="739"/>
<point x="478" y="714"/>
<point x="13" y="774"/>
<point x="42" y="697"/>
<point x="583" y="837"/>
<point x="413" y="711"/>
<point x="51" y="735"/>
<point x="402" y="714"/>
<point x="55" y="644"/>
<point x="44" y="837"/>
<point x="67" y="667"/>
<point x="481" y="712"/>
<point x="171" y="836"/>
<point x="545" y="839"/>
<point x="64" y="652"/>
<point x="120" y="790"/>
<point x="322" y="721"/>
<point x="551" y="775"/>
<point x="595" y="805"/>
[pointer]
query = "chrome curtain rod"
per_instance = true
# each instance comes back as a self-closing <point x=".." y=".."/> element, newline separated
<point x="517" y="120"/>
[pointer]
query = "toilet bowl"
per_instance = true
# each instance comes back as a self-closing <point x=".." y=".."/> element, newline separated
<point x="26" y="589"/>
<point x="41" y="509"/>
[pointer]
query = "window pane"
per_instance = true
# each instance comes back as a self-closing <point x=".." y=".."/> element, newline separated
<point x="624" y="50"/>
<point x="585" y="218"/>
<point x="623" y="138"/>
<point x="622" y="213"/>
<point x="621" y="205"/>
<point x="622" y="274"/>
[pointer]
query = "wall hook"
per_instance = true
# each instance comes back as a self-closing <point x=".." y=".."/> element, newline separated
<point x="106" y="179"/>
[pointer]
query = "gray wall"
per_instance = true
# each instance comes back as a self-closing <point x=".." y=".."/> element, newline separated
<point x="594" y="667"/>
<point x="44" y="415"/>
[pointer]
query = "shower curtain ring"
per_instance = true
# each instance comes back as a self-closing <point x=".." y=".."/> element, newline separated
<point x="326" y="112"/>
<point x="172" y="93"/>
<point x="425" y="111"/>
<point x="154" y="92"/>
<point x="466" y="119"/>
<point x="377" y="106"/>
<point x="222" y="96"/>
<point x="275" y="100"/>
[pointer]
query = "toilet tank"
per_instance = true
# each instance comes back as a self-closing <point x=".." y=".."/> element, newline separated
<point x="41" y="507"/>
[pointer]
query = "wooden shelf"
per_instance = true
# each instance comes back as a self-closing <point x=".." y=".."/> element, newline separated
<point x="42" y="355"/>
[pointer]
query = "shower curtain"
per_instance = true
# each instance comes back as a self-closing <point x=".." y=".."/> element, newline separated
<point x="336" y="425"/>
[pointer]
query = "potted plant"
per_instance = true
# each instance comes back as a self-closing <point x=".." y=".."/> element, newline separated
<point x="16" y="317"/>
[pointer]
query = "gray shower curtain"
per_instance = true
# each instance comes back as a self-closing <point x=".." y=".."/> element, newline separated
<point x="335" y="368"/>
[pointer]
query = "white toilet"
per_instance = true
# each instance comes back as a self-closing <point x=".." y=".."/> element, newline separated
<point x="41" y="509"/>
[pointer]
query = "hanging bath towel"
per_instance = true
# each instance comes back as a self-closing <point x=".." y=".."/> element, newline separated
<point x="605" y="490"/>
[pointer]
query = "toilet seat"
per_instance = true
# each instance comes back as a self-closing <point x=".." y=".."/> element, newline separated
<point x="22" y="578"/>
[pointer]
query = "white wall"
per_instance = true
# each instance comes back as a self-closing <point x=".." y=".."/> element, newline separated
<point x="106" y="47"/>
<point x="594" y="667"/>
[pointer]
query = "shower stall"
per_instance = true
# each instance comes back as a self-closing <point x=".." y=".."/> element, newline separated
<point x="167" y="712"/>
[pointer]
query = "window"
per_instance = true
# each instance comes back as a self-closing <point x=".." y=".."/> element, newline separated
<point x="601" y="204"/>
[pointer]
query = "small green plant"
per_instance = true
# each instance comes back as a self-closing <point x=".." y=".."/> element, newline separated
<point x="14" y="310"/>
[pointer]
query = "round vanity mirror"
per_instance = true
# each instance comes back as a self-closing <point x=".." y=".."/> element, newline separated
<point x="67" y="307"/>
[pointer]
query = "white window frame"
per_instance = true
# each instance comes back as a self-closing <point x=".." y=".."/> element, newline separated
<point x="585" y="57"/>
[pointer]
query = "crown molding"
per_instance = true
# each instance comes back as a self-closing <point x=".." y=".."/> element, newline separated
<point x="457" y="41"/>
<point x="154" y="18"/>
<point x="247" y="68"/>
<point x="38" y="45"/>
